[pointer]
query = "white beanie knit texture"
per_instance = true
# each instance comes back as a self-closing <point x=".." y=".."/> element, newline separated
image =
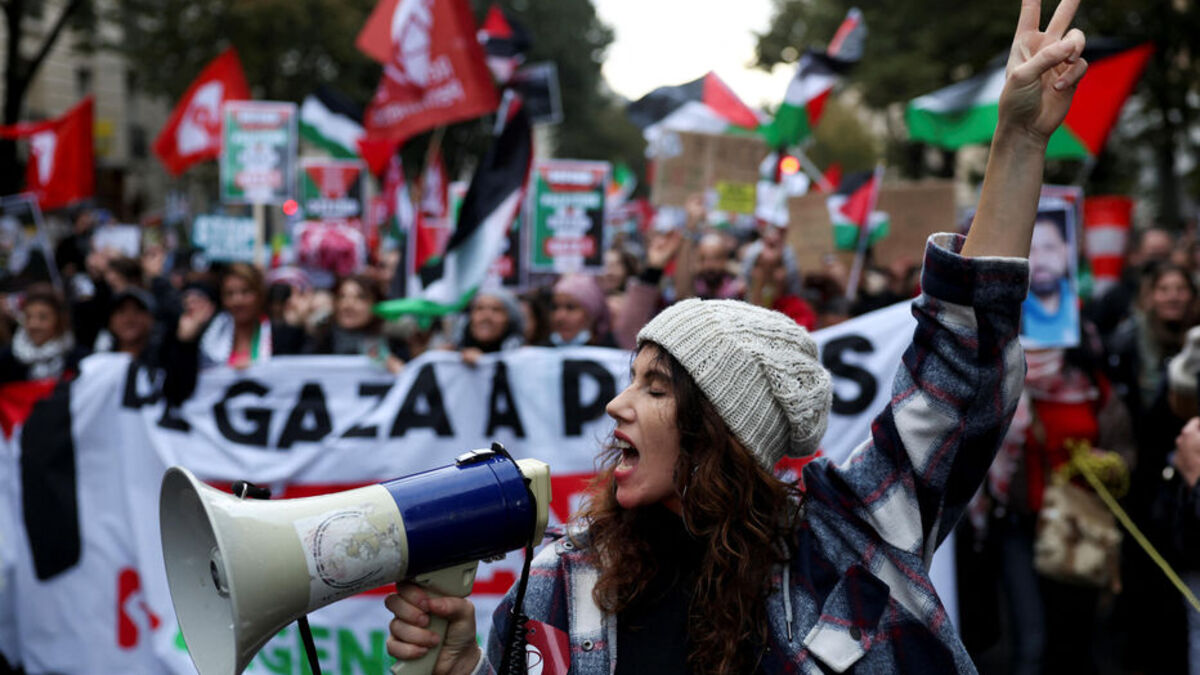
<point x="757" y="367"/>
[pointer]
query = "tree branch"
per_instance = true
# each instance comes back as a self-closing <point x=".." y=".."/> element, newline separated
<point x="47" y="44"/>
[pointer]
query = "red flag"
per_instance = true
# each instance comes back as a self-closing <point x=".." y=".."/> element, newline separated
<point x="61" y="165"/>
<point x="193" y="132"/>
<point x="434" y="70"/>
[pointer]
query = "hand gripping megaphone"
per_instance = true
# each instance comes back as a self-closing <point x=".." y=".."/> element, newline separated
<point x="241" y="570"/>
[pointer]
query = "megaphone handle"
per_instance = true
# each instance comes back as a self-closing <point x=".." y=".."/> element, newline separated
<point x="425" y="664"/>
<point x="456" y="581"/>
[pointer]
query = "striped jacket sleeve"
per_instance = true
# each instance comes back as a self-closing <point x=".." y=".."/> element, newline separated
<point x="952" y="400"/>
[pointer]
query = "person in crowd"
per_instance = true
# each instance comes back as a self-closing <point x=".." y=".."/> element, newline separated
<point x="1067" y="397"/>
<point x="1148" y="248"/>
<point x="1138" y="352"/>
<point x="495" y="322"/>
<point x="131" y="327"/>
<point x="536" y="306"/>
<point x="770" y="272"/>
<point x="1142" y="345"/>
<point x="238" y="336"/>
<point x="353" y="328"/>
<point x="579" y="314"/>
<point x="43" y="346"/>
<point x="706" y="266"/>
<point x="619" y="267"/>
<point x="694" y="557"/>
<point x="1179" y="510"/>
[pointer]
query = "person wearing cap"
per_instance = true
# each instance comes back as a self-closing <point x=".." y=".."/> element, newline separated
<point x="131" y="326"/>
<point x="692" y="556"/>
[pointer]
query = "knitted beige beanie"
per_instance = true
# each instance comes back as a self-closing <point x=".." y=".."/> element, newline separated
<point x="758" y="367"/>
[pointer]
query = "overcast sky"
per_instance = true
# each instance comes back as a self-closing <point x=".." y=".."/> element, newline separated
<point x="664" y="42"/>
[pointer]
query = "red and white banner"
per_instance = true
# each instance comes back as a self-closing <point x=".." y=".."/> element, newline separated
<point x="193" y="132"/>
<point x="434" y="69"/>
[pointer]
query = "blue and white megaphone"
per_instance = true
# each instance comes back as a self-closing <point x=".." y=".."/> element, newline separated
<point x="241" y="570"/>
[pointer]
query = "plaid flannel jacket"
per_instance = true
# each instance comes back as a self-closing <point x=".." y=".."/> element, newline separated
<point x="858" y="593"/>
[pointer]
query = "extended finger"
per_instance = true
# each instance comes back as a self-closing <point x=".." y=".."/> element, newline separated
<point x="1031" y="16"/>
<point x="1063" y="14"/>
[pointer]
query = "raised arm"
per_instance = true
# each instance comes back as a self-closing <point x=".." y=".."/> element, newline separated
<point x="1043" y="69"/>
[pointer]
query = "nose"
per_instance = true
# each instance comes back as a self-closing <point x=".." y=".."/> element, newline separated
<point x="618" y="408"/>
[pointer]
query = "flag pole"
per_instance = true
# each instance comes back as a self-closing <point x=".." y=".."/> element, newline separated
<point x="864" y="236"/>
<point x="814" y="173"/>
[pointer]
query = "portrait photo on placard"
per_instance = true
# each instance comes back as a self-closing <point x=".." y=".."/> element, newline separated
<point x="1050" y="314"/>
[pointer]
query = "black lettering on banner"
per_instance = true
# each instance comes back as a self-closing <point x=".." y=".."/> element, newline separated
<point x="172" y="419"/>
<point x="311" y="403"/>
<point x="260" y="417"/>
<point x="132" y="398"/>
<point x="833" y="357"/>
<point x="575" y="411"/>
<point x="425" y="387"/>
<point x="508" y="417"/>
<point x="373" y="390"/>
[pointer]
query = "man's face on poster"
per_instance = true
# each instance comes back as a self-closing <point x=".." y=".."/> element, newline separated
<point x="1048" y="258"/>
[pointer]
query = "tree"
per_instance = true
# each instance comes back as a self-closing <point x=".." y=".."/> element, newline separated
<point x="915" y="47"/>
<point x="22" y="65"/>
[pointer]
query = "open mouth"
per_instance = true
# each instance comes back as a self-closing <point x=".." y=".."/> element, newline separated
<point x="629" y="454"/>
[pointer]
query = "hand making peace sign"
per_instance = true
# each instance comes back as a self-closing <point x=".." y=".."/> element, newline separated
<point x="1043" y="69"/>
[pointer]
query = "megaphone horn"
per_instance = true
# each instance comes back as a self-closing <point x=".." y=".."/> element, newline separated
<point x="241" y="570"/>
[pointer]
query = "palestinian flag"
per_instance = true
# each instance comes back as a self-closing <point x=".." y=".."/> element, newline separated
<point x="816" y="75"/>
<point x="965" y="113"/>
<point x="706" y="105"/>
<point x="331" y="121"/>
<point x="851" y="212"/>
<point x="447" y="283"/>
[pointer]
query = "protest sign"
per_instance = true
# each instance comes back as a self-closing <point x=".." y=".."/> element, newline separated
<point x="809" y="231"/>
<point x="331" y="189"/>
<point x="566" y="215"/>
<point x="122" y="238"/>
<point x="691" y="163"/>
<point x="258" y="152"/>
<point x="25" y="252"/>
<point x="225" y="238"/>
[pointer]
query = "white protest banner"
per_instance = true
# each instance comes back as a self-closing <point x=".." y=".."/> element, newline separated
<point x="303" y="426"/>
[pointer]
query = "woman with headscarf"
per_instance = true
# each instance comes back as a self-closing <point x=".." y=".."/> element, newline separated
<point x="494" y="323"/>
<point x="579" y="314"/>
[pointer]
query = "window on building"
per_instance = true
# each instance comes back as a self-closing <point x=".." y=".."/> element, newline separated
<point x="83" y="81"/>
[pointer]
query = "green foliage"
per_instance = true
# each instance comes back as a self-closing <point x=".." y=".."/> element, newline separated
<point x="842" y="138"/>
<point x="287" y="47"/>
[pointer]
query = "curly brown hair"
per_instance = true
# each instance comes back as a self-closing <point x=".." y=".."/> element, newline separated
<point x="740" y="511"/>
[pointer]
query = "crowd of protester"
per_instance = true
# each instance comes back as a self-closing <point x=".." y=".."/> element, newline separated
<point x="1129" y="389"/>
